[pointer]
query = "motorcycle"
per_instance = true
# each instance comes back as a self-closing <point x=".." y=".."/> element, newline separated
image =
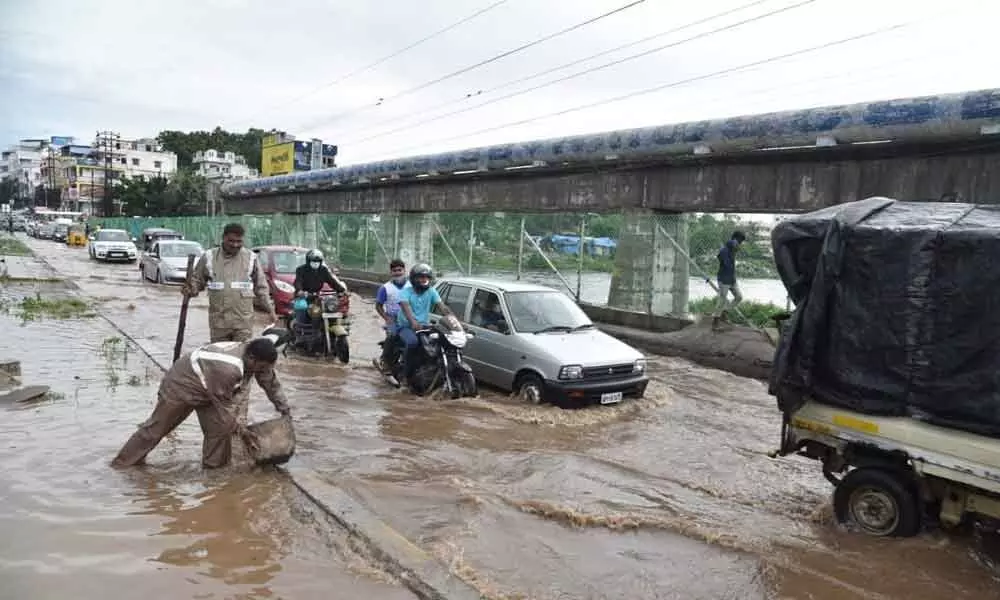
<point x="325" y="326"/>
<point x="441" y="363"/>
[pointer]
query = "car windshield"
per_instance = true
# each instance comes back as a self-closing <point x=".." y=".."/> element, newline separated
<point x="112" y="236"/>
<point x="286" y="262"/>
<point x="536" y="312"/>
<point x="179" y="249"/>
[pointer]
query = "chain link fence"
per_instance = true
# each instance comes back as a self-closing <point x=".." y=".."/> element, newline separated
<point x="584" y="254"/>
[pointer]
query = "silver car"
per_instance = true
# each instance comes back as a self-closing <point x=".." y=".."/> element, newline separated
<point x="536" y="341"/>
<point x="166" y="261"/>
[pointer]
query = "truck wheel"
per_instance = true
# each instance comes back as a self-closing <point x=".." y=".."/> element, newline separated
<point x="879" y="502"/>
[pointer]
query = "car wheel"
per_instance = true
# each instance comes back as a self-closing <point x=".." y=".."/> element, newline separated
<point x="879" y="502"/>
<point x="529" y="387"/>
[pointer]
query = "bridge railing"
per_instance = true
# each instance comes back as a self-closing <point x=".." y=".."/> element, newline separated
<point x="542" y="248"/>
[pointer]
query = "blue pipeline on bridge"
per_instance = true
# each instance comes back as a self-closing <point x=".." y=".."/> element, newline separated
<point x="951" y="117"/>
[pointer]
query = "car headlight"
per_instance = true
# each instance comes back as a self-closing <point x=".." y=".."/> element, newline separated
<point x="281" y="286"/>
<point x="639" y="366"/>
<point x="571" y="372"/>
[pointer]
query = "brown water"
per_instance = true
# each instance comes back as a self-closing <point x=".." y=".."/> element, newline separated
<point x="668" y="497"/>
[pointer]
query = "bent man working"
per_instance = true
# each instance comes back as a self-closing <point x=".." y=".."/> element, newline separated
<point x="206" y="381"/>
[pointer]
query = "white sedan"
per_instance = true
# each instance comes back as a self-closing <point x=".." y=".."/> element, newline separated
<point x="112" y="244"/>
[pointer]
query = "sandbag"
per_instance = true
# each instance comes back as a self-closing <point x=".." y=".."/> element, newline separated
<point x="896" y="311"/>
<point x="274" y="441"/>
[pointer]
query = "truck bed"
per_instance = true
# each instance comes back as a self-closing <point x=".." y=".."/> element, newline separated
<point x="951" y="454"/>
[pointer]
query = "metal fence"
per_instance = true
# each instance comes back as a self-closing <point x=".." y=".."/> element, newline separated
<point x="580" y="253"/>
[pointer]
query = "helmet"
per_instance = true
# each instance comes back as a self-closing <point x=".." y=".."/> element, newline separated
<point x="314" y="256"/>
<point x="420" y="270"/>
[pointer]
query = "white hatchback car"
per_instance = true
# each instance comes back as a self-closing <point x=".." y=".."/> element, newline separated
<point x="536" y="341"/>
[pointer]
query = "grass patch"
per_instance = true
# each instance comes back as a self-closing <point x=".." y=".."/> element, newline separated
<point x="32" y="309"/>
<point x="12" y="247"/>
<point x="758" y="314"/>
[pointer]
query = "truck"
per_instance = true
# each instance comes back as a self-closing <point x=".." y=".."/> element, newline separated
<point x="885" y="372"/>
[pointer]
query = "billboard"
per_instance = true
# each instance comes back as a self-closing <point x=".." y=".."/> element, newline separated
<point x="302" y="156"/>
<point x="277" y="160"/>
<point x="61" y="140"/>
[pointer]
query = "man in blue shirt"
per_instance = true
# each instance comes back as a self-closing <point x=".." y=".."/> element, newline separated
<point x="387" y="307"/>
<point x="727" y="275"/>
<point x="415" y="306"/>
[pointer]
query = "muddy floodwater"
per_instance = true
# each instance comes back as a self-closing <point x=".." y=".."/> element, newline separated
<point x="672" y="496"/>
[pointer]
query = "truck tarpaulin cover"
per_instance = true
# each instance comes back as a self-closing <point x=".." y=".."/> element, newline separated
<point x="897" y="311"/>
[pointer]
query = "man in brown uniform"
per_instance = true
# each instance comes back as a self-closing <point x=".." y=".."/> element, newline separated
<point x="233" y="278"/>
<point x="207" y="381"/>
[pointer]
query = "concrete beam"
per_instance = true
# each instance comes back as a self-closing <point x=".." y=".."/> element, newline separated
<point x="766" y="186"/>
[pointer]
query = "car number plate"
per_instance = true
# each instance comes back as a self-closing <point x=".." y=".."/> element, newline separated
<point x="611" y="398"/>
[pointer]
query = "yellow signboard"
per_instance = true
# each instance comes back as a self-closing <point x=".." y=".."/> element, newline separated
<point x="270" y="140"/>
<point x="277" y="160"/>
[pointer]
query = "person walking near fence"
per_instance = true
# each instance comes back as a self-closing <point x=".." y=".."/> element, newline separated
<point x="726" y="277"/>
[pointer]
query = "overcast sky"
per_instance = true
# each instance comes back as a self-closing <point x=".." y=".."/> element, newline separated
<point x="71" y="67"/>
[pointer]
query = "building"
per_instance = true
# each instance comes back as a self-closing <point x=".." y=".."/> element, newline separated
<point x="281" y="154"/>
<point x="222" y="166"/>
<point x="22" y="163"/>
<point x="134" y="158"/>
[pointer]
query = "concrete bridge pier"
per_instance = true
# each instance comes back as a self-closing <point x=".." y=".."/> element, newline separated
<point x="651" y="275"/>
<point x="416" y="238"/>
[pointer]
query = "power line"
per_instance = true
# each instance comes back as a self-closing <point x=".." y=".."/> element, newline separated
<point x="479" y="64"/>
<point x="584" y="59"/>
<point x="385" y="58"/>
<point x="714" y="74"/>
<point x="587" y="71"/>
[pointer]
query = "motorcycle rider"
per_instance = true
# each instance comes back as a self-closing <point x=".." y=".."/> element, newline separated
<point x="416" y="303"/>
<point x="387" y="307"/>
<point x="209" y="381"/>
<point x="310" y="277"/>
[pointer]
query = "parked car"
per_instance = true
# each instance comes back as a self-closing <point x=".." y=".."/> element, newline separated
<point x="112" y="244"/>
<point x="166" y="262"/>
<point x="44" y="231"/>
<point x="279" y="264"/>
<point x="537" y="342"/>
<point x="155" y="234"/>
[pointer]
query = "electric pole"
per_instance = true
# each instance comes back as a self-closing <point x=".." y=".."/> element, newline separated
<point x="108" y="142"/>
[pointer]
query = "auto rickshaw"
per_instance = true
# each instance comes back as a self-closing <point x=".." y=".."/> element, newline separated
<point x="77" y="235"/>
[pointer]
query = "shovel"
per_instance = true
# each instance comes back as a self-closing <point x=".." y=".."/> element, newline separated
<point x="182" y="321"/>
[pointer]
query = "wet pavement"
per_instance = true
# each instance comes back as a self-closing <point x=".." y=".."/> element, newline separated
<point x="668" y="497"/>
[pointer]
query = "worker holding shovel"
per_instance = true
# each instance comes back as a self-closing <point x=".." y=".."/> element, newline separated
<point x="208" y="381"/>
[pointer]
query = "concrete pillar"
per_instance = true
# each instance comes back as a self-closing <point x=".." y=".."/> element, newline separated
<point x="416" y="238"/>
<point x="650" y="275"/>
<point x="311" y="238"/>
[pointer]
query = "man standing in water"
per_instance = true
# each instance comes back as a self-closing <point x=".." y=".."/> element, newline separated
<point x="726" y="276"/>
<point x="208" y="381"/>
<point x="233" y="278"/>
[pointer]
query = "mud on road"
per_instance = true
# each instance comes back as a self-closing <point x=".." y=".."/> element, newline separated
<point x="668" y="497"/>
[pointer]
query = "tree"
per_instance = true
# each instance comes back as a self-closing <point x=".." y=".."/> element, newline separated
<point x="185" y="144"/>
<point x="183" y="195"/>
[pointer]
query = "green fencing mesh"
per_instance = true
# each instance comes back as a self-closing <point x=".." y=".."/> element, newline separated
<point x="493" y="245"/>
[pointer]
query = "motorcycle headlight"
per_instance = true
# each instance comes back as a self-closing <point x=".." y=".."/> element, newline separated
<point x="456" y="339"/>
<point x="571" y="372"/>
<point x="282" y="286"/>
<point x="639" y="366"/>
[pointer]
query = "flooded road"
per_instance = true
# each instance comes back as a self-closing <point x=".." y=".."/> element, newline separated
<point x="668" y="497"/>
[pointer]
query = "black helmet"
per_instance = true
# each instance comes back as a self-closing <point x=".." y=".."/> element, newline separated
<point x="314" y="255"/>
<point x="421" y="270"/>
